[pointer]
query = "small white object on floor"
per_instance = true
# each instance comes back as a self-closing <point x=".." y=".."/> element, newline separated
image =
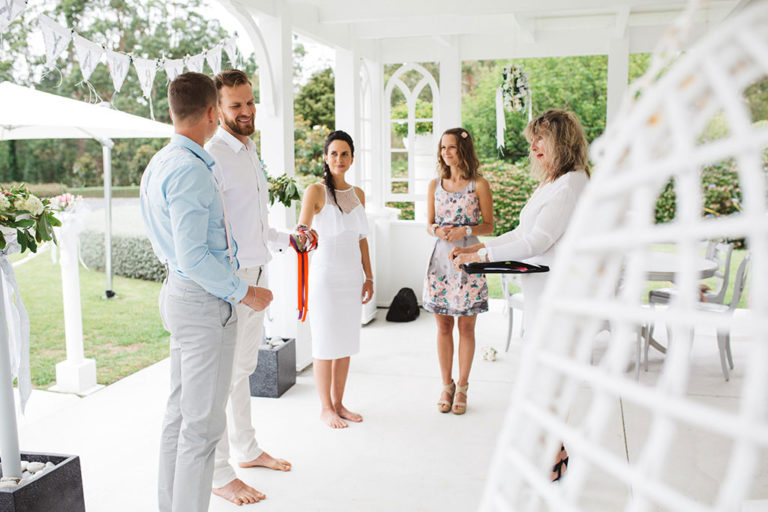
<point x="489" y="353"/>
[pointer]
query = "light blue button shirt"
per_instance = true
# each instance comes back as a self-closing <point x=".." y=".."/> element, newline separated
<point x="184" y="218"/>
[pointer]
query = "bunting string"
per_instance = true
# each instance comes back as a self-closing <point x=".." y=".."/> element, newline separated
<point x="89" y="54"/>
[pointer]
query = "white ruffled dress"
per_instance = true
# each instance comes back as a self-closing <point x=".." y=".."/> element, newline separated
<point x="336" y="277"/>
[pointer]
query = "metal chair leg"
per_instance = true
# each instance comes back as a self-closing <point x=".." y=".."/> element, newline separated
<point x="721" y="344"/>
<point x="509" y="328"/>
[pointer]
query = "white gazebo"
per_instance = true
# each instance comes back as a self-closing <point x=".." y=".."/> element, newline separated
<point x="367" y="35"/>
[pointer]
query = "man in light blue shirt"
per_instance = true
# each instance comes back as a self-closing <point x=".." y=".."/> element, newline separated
<point x="187" y="224"/>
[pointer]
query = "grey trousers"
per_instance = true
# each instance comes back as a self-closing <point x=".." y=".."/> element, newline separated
<point x="202" y="331"/>
<point x="240" y="432"/>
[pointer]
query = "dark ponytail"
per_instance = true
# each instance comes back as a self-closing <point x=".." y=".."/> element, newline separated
<point x="327" y="176"/>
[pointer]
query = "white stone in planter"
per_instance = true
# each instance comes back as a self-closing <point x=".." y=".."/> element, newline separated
<point x="34" y="467"/>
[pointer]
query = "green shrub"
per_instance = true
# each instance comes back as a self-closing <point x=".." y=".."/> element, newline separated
<point x="121" y="191"/>
<point x="511" y="187"/>
<point x="407" y="209"/>
<point x="308" y="147"/>
<point x="40" y="189"/>
<point x="720" y="189"/>
<point x="132" y="256"/>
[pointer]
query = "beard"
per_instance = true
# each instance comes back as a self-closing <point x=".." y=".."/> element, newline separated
<point x="239" y="128"/>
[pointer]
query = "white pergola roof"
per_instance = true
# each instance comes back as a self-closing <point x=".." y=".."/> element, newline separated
<point x="26" y="113"/>
<point x="485" y="29"/>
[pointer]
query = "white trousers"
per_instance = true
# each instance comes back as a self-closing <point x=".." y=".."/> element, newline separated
<point x="533" y="287"/>
<point x="202" y="331"/>
<point x="240" y="434"/>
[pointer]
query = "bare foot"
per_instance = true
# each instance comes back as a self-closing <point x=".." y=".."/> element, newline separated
<point x="238" y="492"/>
<point x="265" y="460"/>
<point x="347" y="414"/>
<point x="332" y="418"/>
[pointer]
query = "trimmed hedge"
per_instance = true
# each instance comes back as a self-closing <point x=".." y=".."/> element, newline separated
<point x="511" y="187"/>
<point x="132" y="256"/>
<point x="41" y="189"/>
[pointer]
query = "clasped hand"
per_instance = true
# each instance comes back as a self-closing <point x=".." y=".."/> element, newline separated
<point x="305" y="238"/>
<point x="450" y="233"/>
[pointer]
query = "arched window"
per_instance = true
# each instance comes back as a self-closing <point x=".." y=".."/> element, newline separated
<point x="411" y="111"/>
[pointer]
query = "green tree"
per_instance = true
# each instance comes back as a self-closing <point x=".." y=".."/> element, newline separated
<point x="146" y="28"/>
<point x="315" y="100"/>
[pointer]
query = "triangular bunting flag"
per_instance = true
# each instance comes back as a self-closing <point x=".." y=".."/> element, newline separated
<point x="9" y="10"/>
<point x="146" y="69"/>
<point x="88" y="55"/>
<point x="119" y="64"/>
<point x="213" y="56"/>
<point x="195" y="63"/>
<point x="173" y="68"/>
<point x="230" y="47"/>
<point x="56" y="39"/>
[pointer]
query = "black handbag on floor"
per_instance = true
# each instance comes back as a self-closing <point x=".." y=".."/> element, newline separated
<point x="404" y="307"/>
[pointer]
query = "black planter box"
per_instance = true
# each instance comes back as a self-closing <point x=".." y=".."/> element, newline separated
<point x="276" y="370"/>
<point x="58" y="489"/>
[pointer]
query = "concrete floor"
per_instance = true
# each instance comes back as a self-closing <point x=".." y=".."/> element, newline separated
<point x="405" y="456"/>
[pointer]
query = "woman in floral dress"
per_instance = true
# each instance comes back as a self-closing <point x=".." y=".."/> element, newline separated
<point x="457" y="201"/>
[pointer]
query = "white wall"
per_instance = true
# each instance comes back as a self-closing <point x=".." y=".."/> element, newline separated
<point x="403" y="252"/>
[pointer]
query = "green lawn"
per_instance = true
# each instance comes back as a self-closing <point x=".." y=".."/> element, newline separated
<point x="123" y="335"/>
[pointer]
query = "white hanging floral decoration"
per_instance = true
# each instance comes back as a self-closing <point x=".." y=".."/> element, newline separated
<point x="514" y="94"/>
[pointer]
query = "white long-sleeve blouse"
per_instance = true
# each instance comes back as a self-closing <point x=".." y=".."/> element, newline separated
<point x="543" y="221"/>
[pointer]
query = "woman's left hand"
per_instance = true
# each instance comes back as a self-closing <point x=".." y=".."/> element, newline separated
<point x="467" y="257"/>
<point x="367" y="291"/>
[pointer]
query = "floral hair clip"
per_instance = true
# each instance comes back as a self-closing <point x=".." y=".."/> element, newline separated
<point x="464" y="135"/>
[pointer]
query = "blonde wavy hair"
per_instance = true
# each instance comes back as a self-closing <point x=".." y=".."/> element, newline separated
<point x="568" y="144"/>
<point x="468" y="161"/>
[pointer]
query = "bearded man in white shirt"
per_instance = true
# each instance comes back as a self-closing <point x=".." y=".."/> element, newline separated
<point x="246" y="198"/>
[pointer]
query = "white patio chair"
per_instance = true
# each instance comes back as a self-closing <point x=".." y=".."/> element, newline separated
<point x="512" y="301"/>
<point x="724" y="336"/>
<point x="716" y="251"/>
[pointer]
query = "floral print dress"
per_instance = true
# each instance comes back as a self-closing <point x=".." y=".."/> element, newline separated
<point x="448" y="291"/>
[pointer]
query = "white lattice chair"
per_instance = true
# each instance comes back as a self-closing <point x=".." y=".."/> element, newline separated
<point x="654" y="138"/>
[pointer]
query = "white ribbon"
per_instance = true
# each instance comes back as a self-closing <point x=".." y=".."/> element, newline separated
<point x="213" y="56"/>
<point x="18" y="322"/>
<point x="119" y="64"/>
<point x="195" y="63"/>
<point x="230" y="47"/>
<point x="88" y="55"/>
<point x="173" y="68"/>
<point x="146" y="69"/>
<point x="9" y="10"/>
<point x="55" y="37"/>
<point x="501" y="122"/>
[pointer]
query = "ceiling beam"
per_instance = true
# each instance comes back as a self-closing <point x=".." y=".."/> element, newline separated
<point x="622" y="22"/>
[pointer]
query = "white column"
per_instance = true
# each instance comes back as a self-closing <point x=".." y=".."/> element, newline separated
<point x="450" y="86"/>
<point x="277" y="123"/>
<point x="9" y="434"/>
<point x="378" y="125"/>
<point x="618" y="74"/>
<point x="346" y="74"/>
<point x="77" y="374"/>
<point x="275" y="117"/>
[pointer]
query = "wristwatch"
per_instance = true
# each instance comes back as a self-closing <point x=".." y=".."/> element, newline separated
<point x="483" y="253"/>
<point x="469" y="230"/>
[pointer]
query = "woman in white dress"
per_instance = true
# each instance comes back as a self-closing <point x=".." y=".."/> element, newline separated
<point x="340" y="275"/>
<point x="559" y="159"/>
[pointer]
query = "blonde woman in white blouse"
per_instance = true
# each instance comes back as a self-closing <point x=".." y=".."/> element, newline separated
<point x="559" y="159"/>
